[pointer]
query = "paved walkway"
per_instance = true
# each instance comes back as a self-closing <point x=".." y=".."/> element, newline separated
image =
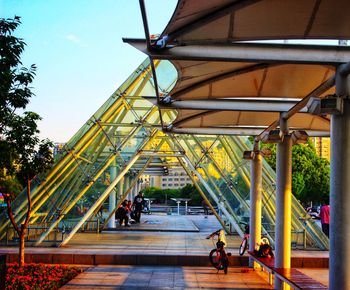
<point x="156" y="254"/>
<point x="137" y="277"/>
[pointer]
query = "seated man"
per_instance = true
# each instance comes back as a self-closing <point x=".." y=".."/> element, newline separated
<point x="122" y="214"/>
<point x="264" y="251"/>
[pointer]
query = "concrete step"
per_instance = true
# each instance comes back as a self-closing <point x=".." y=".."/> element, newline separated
<point x="151" y="259"/>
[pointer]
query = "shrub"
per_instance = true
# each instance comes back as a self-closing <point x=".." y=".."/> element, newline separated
<point x="38" y="276"/>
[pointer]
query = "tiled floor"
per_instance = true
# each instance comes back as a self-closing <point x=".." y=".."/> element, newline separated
<point x="152" y="240"/>
<point x="141" y="277"/>
<point x="188" y="239"/>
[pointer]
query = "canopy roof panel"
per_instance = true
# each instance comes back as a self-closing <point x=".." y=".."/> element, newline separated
<point x="225" y="21"/>
<point x="203" y="40"/>
<point x="214" y="80"/>
<point x="199" y="80"/>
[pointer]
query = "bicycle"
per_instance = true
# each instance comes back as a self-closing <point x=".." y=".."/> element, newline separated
<point x="244" y="244"/>
<point x="218" y="257"/>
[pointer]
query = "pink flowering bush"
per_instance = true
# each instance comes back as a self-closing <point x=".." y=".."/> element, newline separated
<point x="38" y="276"/>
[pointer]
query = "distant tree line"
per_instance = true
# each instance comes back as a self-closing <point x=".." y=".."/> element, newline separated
<point x="163" y="196"/>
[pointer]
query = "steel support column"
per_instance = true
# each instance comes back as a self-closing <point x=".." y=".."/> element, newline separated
<point x="127" y="183"/>
<point x="123" y="193"/>
<point x="283" y="206"/>
<point x="100" y="199"/>
<point x="121" y="188"/>
<point x="255" y="202"/>
<point x="339" y="253"/>
<point x="112" y="196"/>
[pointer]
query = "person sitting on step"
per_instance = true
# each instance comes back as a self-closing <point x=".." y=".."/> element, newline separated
<point x="122" y="214"/>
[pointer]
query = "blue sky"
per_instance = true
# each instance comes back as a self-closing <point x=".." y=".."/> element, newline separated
<point x="78" y="49"/>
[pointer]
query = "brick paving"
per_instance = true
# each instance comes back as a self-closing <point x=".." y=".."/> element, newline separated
<point x="162" y="252"/>
<point x="143" y="277"/>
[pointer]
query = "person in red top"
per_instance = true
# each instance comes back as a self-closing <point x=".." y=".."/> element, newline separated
<point x="325" y="218"/>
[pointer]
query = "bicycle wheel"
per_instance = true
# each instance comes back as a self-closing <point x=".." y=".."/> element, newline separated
<point x="215" y="259"/>
<point x="243" y="246"/>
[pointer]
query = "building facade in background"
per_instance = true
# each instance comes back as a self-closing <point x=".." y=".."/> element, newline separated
<point x="177" y="178"/>
<point x="323" y="147"/>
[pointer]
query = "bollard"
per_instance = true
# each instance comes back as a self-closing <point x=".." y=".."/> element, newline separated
<point x="2" y="271"/>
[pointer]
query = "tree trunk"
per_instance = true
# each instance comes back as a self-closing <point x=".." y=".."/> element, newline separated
<point x="24" y="226"/>
<point x="21" y="246"/>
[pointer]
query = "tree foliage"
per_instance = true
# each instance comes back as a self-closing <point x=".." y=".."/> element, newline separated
<point x="310" y="173"/>
<point x="164" y="195"/>
<point x="22" y="154"/>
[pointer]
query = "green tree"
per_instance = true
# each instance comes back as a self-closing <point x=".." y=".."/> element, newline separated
<point x="310" y="173"/>
<point x="23" y="154"/>
<point x="161" y="195"/>
<point x="190" y="191"/>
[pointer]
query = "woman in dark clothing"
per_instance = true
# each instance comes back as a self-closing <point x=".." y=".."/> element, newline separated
<point x="122" y="214"/>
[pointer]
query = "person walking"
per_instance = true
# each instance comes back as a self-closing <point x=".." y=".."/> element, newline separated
<point x="138" y="204"/>
<point x="325" y="217"/>
<point x="205" y="208"/>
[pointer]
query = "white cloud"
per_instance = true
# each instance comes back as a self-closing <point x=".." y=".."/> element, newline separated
<point x="73" y="38"/>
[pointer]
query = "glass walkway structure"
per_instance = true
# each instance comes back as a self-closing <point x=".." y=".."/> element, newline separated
<point x="122" y="141"/>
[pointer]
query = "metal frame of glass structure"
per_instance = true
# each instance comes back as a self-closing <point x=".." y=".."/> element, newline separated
<point x="108" y="155"/>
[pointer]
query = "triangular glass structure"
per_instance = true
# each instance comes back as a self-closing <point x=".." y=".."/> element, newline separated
<point x="119" y="143"/>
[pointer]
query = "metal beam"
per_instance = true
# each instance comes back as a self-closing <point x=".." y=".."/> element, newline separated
<point x="162" y="155"/>
<point x="237" y="131"/>
<point x="315" y="93"/>
<point x="234" y="104"/>
<point x="250" y="52"/>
